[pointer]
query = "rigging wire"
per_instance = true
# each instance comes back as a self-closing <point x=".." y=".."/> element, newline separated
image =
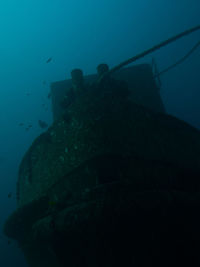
<point x="179" y="61"/>
<point x="148" y="51"/>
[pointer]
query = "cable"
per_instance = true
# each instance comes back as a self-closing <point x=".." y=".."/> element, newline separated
<point x="179" y="61"/>
<point x="146" y="52"/>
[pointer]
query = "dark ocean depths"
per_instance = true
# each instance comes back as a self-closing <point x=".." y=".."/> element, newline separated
<point x="41" y="41"/>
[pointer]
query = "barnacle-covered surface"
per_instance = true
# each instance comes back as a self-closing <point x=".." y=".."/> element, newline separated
<point x="110" y="181"/>
<point x="104" y="122"/>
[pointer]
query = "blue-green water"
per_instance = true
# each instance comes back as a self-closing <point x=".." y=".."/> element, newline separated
<point x="81" y="34"/>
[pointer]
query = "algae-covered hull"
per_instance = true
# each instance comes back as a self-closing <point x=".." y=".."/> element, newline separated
<point x="110" y="183"/>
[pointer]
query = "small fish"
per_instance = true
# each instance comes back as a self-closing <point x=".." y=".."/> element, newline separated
<point x="30" y="126"/>
<point x="27" y="94"/>
<point x="42" y="124"/>
<point x="9" y="242"/>
<point x="49" y="95"/>
<point x="21" y="124"/>
<point x="49" y="60"/>
<point x="9" y="195"/>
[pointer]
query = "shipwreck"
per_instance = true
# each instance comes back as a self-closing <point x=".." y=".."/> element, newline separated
<point x="115" y="181"/>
